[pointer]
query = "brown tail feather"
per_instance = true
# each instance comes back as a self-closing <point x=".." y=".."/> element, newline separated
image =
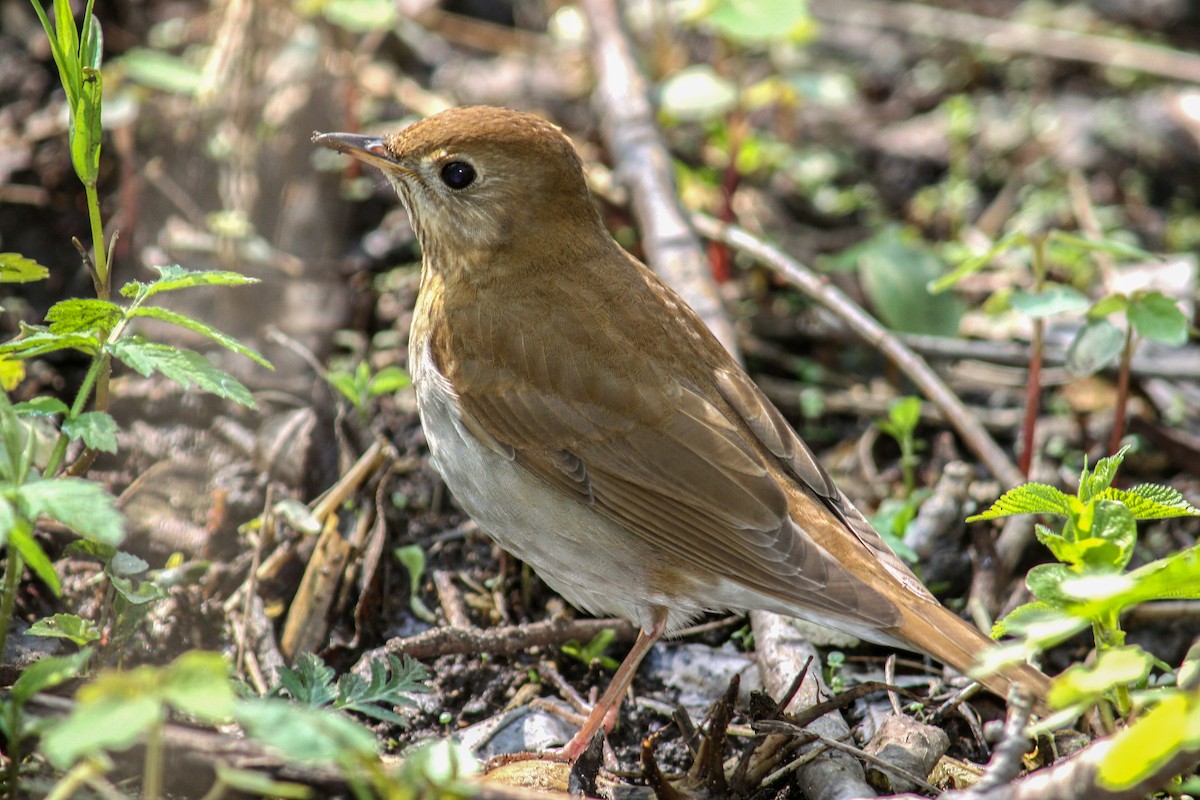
<point x="945" y="636"/>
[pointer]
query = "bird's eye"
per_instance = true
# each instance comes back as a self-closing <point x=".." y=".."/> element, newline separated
<point x="458" y="175"/>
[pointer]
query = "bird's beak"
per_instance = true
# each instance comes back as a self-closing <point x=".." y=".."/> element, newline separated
<point x="370" y="149"/>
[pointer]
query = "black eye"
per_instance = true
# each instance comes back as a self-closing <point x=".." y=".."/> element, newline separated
<point x="458" y="175"/>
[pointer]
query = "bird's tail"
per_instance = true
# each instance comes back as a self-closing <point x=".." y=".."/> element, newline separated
<point x="945" y="636"/>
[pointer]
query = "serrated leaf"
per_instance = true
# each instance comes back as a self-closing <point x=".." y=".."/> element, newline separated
<point x="66" y="626"/>
<point x="185" y="367"/>
<point x="84" y="315"/>
<point x="1100" y="478"/>
<point x="1156" y="316"/>
<point x="390" y="685"/>
<point x="1095" y="346"/>
<point x="46" y="673"/>
<point x="41" y="407"/>
<point x="20" y="539"/>
<point x="36" y="342"/>
<point x="97" y="430"/>
<point x="16" y="268"/>
<point x="1029" y="498"/>
<point x="81" y="505"/>
<point x="1052" y="300"/>
<point x="1151" y="501"/>
<point x="202" y="328"/>
<point x="310" y="683"/>
<point x="173" y="277"/>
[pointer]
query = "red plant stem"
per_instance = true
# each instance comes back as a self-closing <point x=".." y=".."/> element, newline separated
<point x="1033" y="394"/>
<point x="718" y="253"/>
<point x="1118" y="430"/>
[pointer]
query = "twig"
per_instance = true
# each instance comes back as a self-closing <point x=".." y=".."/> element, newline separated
<point x="1006" y="36"/>
<point x="643" y="165"/>
<point x="1005" y="764"/>
<point x="862" y="323"/>
<point x="497" y="641"/>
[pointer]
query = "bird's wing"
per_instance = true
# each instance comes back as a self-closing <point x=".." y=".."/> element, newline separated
<point x="677" y="467"/>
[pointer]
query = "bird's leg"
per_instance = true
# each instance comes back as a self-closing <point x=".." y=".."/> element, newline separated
<point x="604" y="713"/>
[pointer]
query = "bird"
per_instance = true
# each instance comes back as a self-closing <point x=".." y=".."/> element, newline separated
<point x="589" y="422"/>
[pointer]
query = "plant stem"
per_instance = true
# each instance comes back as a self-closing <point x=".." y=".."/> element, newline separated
<point x="99" y="361"/>
<point x="152" y="776"/>
<point x="14" y="565"/>
<point x="99" y="252"/>
<point x="1118" y="431"/>
<point x="1033" y="396"/>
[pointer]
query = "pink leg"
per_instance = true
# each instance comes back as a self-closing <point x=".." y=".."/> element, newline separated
<point x="604" y="714"/>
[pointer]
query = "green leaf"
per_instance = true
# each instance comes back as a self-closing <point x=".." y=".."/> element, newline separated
<point x="259" y="784"/>
<point x="1140" y="750"/>
<point x="1109" y="304"/>
<point x="97" y="429"/>
<point x="1084" y="683"/>
<point x="185" y="367"/>
<point x="91" y="51"/>
<point x="21" y="539"/>
<point x="1045" y="583"/>
<point x="1157" y="317"/>
<point x="41" y="407"/>
<point x="696" y="94"/>
<point x="145" y="591"/>
<point x="360" y="16"/>
<point x="46" y="673"/>
<point x="312" y="735"/>
<point x="85" y="130"/>
<point x="66" y="626"/>
<point x="125" y="565"/>
<point x="113" y="712"/>
<point x="1095" y="346"/>
<point x="81" y="505"/>
<point x="972" y="265"/>
<point x="1113" y="247"/>
<point x="63" y="60"/>
<point x="390" y="685"/>
<point x="163" y="71"/>
<point x="895" y="268"/>
<point x="1100" y="478"/>
<point x="1052" y="300"/>
<point x="197" y="683"/>
<point x="203" y="328"/>
<point x="84" y="315"/>
<point x="1029" y="498"/>
<point x="1151" y="501"/>
<point x="37" y="341"/>
<point x="15" y="268"/>
<point x="311" y="683"/>
<point x="173" y="277"/>
<point x="67" y="38"/>
<point x="761" y="21"/>
<point x="413" y="559"/>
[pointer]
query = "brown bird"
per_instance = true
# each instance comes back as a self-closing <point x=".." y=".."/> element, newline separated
<point x="587" y="419"/>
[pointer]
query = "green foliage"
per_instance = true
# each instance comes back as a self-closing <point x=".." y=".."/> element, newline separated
<point x="391" y="684"/>
<point x="15" y="268"/>
<point x="904" y="415"/>
<point x="593" y="650"/>
<point x="413" y="559"/>
<point x="1090" y="586"/>
<point x="759" y="22"/>
<point x="18" y="728"/>
<point x="67" y="626"/>
<point x="360" y="386"/>
<point x="120" y="708"/>
<point x="894" y="268"/>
